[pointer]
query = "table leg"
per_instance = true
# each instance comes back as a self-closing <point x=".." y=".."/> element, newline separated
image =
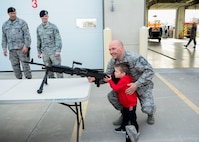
<point x="77" y="111"/>
<point x="81" y="115"/>
<point x="78" y="122"/>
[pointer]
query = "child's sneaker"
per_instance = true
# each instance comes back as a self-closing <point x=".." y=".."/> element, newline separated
<point x="120" y="131"/>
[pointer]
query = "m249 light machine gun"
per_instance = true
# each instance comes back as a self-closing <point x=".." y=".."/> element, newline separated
<point x="83" y="72"/>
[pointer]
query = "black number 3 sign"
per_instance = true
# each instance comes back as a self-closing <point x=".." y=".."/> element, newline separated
<point x="34" y="4"/>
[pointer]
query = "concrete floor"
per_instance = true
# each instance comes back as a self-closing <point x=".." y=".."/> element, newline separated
<point x="175" y="92"/>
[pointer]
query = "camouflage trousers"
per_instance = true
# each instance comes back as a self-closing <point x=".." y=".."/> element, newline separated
<point x="144" y="95"/>
<point x="16" y="57"/>
<point x="50" y="59"/>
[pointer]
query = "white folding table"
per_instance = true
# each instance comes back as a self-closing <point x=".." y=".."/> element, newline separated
<point x="70" y="92"/>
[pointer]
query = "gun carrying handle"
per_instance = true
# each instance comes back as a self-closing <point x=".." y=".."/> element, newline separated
<point x="74" y="62"/>
<point x="78" y="63"/>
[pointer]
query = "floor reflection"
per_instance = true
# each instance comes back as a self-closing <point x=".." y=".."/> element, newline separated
<point x="171" y="53"/>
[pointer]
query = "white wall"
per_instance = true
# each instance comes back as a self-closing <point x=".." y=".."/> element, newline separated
<point x="82" y="45"/>
<point x="125" y="21"/>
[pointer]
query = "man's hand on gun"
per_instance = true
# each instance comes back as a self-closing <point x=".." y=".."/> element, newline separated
<point x="91" y="79"/>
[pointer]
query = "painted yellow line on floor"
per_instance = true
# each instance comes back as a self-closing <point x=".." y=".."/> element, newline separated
<point x="74" y="134"/>
<point x="180" y="94"/>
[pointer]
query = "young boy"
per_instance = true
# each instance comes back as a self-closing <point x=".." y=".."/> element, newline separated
<point x="128" y="102"/>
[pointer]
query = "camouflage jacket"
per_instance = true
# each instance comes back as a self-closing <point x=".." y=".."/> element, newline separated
<point x="141" y="71"/>
<point x="15" y="34"/>
<point x="48" y="38"/>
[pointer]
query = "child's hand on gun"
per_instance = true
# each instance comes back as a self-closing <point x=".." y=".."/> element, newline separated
<point x="107" y="78"/>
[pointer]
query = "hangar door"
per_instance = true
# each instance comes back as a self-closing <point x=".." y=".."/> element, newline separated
<point x="79" y="22"/>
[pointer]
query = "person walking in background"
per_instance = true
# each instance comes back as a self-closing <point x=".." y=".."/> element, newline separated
<point x="49" y="43"/>
<point x="16" y="38"/>
<point x="142" y="73"/>
<point x="128" y="101"/>
<point x="192" y="35"/>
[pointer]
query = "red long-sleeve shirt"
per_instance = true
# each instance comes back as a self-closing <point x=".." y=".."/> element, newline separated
<point x="125" y="99"/>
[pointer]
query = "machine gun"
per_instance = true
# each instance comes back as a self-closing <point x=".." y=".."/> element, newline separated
<point x="83" y="72"/>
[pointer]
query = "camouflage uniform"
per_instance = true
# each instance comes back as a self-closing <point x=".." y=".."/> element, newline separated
<point x="48" y="42"/>
<point x="142" y="74"/>
<point x="15" y="36"/>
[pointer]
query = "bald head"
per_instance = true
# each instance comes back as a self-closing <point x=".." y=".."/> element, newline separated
<point x="117" y="42"/>
<point x="116" y="49"/>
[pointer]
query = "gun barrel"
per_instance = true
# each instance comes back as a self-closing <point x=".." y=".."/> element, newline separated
<point x="33" y="63"/>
